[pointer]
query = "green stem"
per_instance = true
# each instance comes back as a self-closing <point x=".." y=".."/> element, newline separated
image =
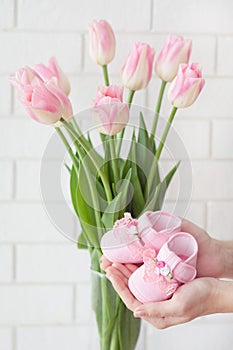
<point x="79" y="139"/>
<point x="76" y="126"/>
<point x="118" y="147"/>
<point x="95" y="201"/>
<point x="113" y="158"/>
<point x="159" y="150"/>
<point x="93" y="194"/>
<point x="157" y="109"/>
<point x="165" y="133"/>
<point x="130" y="97"/>
<point x="69" y="149"/>
<point x="106" y="77"/>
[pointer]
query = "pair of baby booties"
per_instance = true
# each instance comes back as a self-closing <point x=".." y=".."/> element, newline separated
<point x="167" y="256"/>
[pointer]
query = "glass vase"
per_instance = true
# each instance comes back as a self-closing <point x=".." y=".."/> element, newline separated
<point x="118" y="329"/>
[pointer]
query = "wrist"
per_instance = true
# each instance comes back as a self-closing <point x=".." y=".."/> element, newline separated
<point x="226" y="256"/>
<point x="222" y="296"/>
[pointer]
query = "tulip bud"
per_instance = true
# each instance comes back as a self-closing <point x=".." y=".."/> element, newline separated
<point x="137" y="70"/>
<point x="102" y="42"/>
<point x="177" y="50"/>
<point x="187" y="85"/>
<point x="45" y="102"/>
<point x="109" y="112"/>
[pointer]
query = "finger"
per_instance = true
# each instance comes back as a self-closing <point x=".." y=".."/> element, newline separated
<point x="188" y="226"/>
<point x="123" y="268"/>
<point x="115" y="272"/>
<point x="122" y="289"/>
<point x="131" y="267"/>
<point x="105" y="263"/>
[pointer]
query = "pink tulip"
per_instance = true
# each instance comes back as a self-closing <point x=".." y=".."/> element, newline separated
<point x="110" y="114"/>
<point x="45" y="102"/>
<point x="177" y="50"/>
<point x="187" y="85"/>
<point x="53" y="70"/>
<point x="46" y="73"/>
<point x="137" y="70"/>
<point x="102" y="43"/>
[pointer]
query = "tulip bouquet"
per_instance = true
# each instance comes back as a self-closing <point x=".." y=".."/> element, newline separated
<point x="101" y="184"/>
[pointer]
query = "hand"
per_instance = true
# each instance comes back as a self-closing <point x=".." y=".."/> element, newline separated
<point x="210" y="260"/>
<point x="194" y="299"/>
<point x="119" y="275"/>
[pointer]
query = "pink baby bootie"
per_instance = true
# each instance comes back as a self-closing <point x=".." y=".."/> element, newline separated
<point x="129" y="238"/>
<point x="160" y="275"/>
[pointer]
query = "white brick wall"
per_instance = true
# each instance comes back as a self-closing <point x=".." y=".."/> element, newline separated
<point x="44" y="281"/>
<point x="30" y="304"/>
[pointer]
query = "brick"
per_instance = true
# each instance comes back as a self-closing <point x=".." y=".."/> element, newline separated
<point x="203" y="51"/>
<point x="28" y="180"/>
<point x="61" y="19"/>
<point x="6" y="263"/>
<point x="225" y="56"/>
<point x="35" y="180"/>
<point x="212" y="180"/>
<point x="31" y="48"/>
<point x="5" y="98"/>
<point x="83" y="92"/>
<point x="52" y="263"/>
<point x="6" y="339"/>
<point x="180" y="188"/>
<point x="7" y="14"/>
<point x="11" y="214"/>
<point x="215" y="100"/>
<point x="6" y="183"/>
<point x="177" y="16"/>
<point x="222" y="142"/>
<point x="219" y="219"/>
<point x="27" y="304"/>
<point x="84" y="313"/>
<point x="23" y="138"/>
<point x="208" y="333"/>
<point x="56" y="337"/>
<point x="195" y="147"/>
<point x="191" y="210"/>
<point x="200" y="180"/>
<point x="152" y="97"/>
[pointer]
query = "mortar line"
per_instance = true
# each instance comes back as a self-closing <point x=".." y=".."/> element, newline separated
<point x="15" y="13"/>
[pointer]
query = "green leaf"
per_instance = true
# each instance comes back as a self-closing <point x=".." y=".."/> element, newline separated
<point x="110" y="214"/>
<point x="145" y="150"/>
<point x="89" y="140"/>
<point x="152" y="181"/>
<point x="128" y="336"/>
<point x="171" y="173"/>
<point x="143" y="137"/>
<point x="82" y="242"/>
<point x="118" y="204"/>
<point x="73" y="189"/>
<point x="84" y="207"/>
<point x="68" y="168"/>
<point x="155" y="201"/>
<point x="138" y="201"/>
